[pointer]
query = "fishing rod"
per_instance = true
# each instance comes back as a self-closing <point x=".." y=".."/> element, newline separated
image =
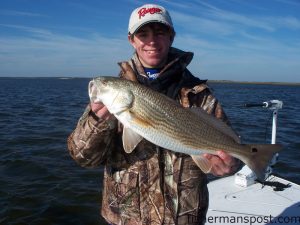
<point x="245" y="177"/>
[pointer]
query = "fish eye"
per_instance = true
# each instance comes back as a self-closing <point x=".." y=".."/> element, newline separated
<point x="104" y="82"/>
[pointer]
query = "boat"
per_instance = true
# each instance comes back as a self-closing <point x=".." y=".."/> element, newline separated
<point x="240" y="199"/>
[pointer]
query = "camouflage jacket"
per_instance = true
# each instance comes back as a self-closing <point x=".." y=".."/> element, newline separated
<point x="151" y="185"/>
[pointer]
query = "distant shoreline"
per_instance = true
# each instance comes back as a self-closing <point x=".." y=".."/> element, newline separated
<point x="253" y="82"/>
<point x="209" y="81"/>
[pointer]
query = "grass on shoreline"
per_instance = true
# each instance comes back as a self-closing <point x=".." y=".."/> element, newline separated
<point x="209" y="81"/>
<point x="253" y="82"/>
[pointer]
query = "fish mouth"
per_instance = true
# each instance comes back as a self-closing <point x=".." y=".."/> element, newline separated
<point x="94" y="92"/>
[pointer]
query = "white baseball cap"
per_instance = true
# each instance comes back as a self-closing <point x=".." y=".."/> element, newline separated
<point x="148" y="13"/>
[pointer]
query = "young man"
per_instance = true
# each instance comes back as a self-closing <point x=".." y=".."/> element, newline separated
<point x="151" y="185"/>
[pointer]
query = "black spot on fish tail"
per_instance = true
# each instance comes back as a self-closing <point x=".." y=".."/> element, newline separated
<point x="254" y="149"/>
<point x="261" y="155"/>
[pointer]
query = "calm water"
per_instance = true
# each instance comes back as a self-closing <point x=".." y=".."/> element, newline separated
<point x="41" y="184"/>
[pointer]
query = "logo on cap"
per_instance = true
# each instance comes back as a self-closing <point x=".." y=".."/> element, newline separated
<point x="143" y="11"/>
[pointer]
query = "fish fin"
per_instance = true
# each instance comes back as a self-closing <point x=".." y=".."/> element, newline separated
<point x="202" y="163"/>
<point x="261" y="156"/>
<point x="130" y="139"/>
<point x="217" y="123"/>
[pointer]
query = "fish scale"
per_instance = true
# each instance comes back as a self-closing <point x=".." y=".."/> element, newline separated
<point x="180" y="133"/>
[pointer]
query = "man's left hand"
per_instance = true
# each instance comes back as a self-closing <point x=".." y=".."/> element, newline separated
<point x="222" y="163"/>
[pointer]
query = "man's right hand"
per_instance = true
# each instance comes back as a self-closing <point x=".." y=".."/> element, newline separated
<point x="101" y="111"/>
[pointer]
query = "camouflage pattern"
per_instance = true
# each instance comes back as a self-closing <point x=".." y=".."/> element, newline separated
<point x="151" y="185"/>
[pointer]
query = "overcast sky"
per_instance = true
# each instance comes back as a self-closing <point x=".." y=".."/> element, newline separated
<point x="242" y="40"/>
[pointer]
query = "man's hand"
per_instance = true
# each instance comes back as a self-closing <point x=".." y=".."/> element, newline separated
<point x="101" y="111"/>
<point x="222" y="163"/>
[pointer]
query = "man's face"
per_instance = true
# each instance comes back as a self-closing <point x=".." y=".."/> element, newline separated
<point x="152" y="43"/>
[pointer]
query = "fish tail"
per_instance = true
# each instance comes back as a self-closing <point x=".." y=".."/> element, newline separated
<point x="261" y="157"/>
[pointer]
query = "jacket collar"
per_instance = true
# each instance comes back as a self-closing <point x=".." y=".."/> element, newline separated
<point x="176" y="57"/>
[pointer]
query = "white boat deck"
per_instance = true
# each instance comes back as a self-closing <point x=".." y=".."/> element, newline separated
<point x="255" y="204"/>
